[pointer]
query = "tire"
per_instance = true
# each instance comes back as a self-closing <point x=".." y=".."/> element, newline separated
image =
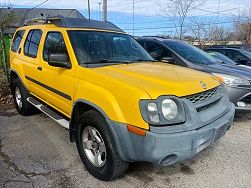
<point x="111" y="166"/>
<point x="22" y="105"/>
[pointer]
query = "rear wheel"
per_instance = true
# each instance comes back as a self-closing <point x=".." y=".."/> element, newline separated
<point x="20" y="95"/>
<point x="97" y="148"/>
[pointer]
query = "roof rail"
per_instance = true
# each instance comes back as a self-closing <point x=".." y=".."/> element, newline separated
<point x="42" y="20"/>
<point x="62" y="21"/>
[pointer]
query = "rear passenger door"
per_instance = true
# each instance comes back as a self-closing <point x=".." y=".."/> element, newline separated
<point x="30" y="59"/>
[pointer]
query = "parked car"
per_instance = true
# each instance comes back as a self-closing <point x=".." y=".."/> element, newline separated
<point x="240" y="56"/>
<point x="237" y="79"/>
<point x="119" y="105"/>
<point x="238" y="46"/>
<point x="225" y="60"/>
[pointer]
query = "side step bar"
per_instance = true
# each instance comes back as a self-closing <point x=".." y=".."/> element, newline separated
<point x="51" y="113"/>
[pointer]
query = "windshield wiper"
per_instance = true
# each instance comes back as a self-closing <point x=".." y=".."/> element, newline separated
<point x="142" y="60"/>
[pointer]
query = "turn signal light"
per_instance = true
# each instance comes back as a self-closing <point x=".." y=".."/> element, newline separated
<point x="136" y="130"/>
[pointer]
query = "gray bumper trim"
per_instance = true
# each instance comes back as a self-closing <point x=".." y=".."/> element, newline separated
<point x="168" y="148"/>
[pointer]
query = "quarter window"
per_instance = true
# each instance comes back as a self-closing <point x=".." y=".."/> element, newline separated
<point x="17" y="40"/>
<point x="54" y="43"/>
<point x="32" y="42"/>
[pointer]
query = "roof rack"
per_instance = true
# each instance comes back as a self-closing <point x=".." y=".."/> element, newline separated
<point x="62" y="21"/>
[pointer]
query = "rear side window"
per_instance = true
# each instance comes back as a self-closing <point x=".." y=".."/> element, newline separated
<point x="17" y="40"/>
<point x="235" y="55"/>
<point x="158" y="49"/>
<point x="54" y="43"/>
<point x="32" y="42"/>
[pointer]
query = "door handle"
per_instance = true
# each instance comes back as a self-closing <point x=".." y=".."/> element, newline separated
<point x="39" y="68"/>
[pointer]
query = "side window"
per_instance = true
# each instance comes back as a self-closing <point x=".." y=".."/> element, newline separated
<point x="235" y="55"/>
<point x="156" y="48"/>
<point x="32" y="43"/>
<point x="17" y="40"/>
<point x="54" y="43"/>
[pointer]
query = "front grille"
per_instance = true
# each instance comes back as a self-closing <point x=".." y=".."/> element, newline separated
<point x="207" y="106"/>
<point x="203" y="95"/>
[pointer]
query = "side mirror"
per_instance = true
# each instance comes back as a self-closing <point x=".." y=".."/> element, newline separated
<point x="167" y="60"/>
<point x="155" y="56"/>
<point x="59" y="60"/>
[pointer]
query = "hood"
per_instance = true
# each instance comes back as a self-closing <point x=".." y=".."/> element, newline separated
<point x="159" y="78"/>
<point x="234" y="70"/>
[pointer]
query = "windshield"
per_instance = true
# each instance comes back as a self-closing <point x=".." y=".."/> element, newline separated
<point x="105" y="48"/>
<point x="247" y="53"/>
<point x="224" y="59"/>
<point x="191" y="53"/>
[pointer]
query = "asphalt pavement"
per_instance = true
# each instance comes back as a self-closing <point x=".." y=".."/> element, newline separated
<point x="36" y="152"/>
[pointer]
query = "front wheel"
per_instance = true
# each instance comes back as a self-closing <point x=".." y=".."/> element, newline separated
<point x="97" y="148"/>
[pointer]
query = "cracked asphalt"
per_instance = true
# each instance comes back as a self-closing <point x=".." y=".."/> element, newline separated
<point x="36" y="152"/>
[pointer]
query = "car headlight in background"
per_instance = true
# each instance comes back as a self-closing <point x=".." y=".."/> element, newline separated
<point x="232" y="80"/>
<point x="165" y="110"/>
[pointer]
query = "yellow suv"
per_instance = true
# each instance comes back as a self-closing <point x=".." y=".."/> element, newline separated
<point x="119" y="105"/>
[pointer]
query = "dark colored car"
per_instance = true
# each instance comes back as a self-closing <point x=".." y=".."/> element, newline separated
<point x="237" y="79"/>
<point x="240" y="56"/>
<point x="225" y="60"/>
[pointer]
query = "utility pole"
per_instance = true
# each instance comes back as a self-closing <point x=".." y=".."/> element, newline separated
<point x="89" y="10"/>
<point x="104" y="10"/>
<point x="133" y="17"/>
<point x="99" y="9"/>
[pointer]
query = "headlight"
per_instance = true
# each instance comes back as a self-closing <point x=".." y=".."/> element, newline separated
<point x="165" y="110"/>
<point x="232" y="80"/>
<point x="169" y="109"/>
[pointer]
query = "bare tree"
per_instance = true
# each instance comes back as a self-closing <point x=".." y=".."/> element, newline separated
<point x="221" y="35"/>
<point x="6" y="18"/>
<point x="179" y="10"/>
<point x="243" y="25"/>
<point x="202" y="30"/>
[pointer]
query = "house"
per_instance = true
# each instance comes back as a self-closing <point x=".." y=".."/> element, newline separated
<point x="22" y="14"/>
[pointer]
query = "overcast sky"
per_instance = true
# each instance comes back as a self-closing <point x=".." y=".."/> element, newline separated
<point x="120" y="11"/>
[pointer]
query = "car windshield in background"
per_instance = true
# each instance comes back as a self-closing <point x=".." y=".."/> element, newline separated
<point x="106" y="48"/>
<point x="224" y="59"/>
<point x="191" y="53"/>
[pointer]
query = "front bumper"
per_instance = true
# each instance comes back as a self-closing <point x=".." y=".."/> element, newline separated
<point x="237" y="94"/>
<point x="168" y="148"/>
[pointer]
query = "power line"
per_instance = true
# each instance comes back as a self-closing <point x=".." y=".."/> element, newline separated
<point x="204" y="10"/>
<point x="172" y="27"/>
<point x="145" y="22"/>
<point x="35" y="6"/>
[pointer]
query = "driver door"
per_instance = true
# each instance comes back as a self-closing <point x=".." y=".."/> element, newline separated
<point x="62" y="79"/>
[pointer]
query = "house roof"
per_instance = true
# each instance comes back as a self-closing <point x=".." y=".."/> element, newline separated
<point x="23" y="14"/>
